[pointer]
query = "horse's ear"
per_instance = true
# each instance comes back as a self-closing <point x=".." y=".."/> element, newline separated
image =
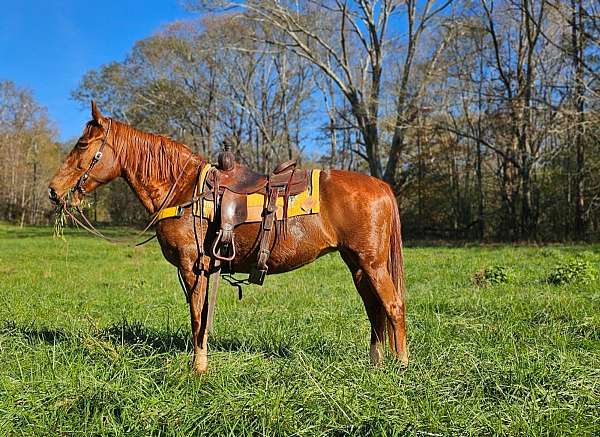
<point x="96" y="114"/>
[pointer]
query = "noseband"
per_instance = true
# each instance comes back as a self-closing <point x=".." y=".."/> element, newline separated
<point x="84" y="177"/>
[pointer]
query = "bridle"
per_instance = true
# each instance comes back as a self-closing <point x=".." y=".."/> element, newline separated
<point x="78" y="187"/>
<point x="84" y="177"/>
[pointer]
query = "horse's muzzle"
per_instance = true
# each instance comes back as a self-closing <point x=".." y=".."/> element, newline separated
<point x="52" y="195"/>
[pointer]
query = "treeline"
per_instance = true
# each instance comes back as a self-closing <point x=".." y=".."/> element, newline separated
<point x="483" y="115"/>
<point x="29" y="155"/>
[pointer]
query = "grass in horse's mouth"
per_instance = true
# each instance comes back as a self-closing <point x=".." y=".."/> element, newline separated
<point x="60" y="220"/>
<point x="62" y="211"/>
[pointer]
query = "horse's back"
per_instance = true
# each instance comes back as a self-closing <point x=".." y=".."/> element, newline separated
<point x="355" y="205"/>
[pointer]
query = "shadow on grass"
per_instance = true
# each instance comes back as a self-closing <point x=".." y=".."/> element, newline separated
<point x="31" y="333"/>
<point x="145" y="340"/>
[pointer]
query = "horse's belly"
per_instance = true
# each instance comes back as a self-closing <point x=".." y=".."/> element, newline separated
<point x="302" y="242"/>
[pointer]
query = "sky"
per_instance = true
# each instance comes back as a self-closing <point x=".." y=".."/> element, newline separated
<point x="48" y="45"/>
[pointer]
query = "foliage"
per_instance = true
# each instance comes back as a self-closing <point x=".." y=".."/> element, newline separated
<point x="29" y="155"/>
<point x="490" y="147"/>
<point x="484" y="120"/>
<point x="493" y="275"/>
<point x="576" y="271"/>
<point x="95" y="340"/>
<point x="121" y="204"/>
<point x="202" y="80"/>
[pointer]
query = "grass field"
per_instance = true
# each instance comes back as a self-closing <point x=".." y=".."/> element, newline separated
<point x="94" y="340"/>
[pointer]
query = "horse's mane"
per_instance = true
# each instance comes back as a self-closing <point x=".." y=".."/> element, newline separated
<point x="150" y="156"/>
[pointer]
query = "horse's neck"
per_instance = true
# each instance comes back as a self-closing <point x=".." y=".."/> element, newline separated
<point x="152" y="189"/>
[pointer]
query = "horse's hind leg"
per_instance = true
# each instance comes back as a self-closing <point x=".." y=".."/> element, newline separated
<point x="393" y="304"/>
<point x="375" y="311"/>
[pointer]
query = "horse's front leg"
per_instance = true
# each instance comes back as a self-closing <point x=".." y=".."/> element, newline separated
<point x="196" y="283"/>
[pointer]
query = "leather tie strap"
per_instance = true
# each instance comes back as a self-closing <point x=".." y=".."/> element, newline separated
<point x="213" y="285"/>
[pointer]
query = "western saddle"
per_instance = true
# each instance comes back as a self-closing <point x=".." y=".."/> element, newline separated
<point x="228" y="185"/>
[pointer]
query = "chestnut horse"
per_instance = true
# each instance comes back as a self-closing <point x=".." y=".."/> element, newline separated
<point x="358" y="217"/>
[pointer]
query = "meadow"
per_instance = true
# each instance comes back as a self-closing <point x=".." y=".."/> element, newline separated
<point x="94" y="340"/>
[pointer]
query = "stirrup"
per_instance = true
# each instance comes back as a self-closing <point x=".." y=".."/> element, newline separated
<point x="217" y="252"/>
<point x="257" y="276"/>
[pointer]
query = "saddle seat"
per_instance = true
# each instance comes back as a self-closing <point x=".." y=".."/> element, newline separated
<point x="240" y="179"/>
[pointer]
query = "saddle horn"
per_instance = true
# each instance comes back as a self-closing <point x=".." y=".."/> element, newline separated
<point x="226" y="159"/>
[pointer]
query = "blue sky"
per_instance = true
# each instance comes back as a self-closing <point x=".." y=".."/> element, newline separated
<point x="47" y="45"/>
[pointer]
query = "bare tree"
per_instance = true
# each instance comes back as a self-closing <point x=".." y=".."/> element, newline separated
<point x="349" y="42"/>
<point x="28" y="154"/>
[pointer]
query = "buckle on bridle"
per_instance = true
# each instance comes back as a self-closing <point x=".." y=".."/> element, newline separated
<point x="98" y="155"/>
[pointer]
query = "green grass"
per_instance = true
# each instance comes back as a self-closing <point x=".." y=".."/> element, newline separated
<point x="94" y="340"/>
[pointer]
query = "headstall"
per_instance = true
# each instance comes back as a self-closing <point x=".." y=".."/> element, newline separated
<point x="84" y="177"/>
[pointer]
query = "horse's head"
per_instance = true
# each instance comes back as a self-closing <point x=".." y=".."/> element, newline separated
<point x="91" y="163"/>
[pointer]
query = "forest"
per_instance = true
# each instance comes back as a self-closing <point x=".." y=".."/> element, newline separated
<point x="483" y="115"/>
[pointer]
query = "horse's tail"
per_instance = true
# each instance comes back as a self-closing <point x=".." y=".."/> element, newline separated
<point x="395" y="261"/>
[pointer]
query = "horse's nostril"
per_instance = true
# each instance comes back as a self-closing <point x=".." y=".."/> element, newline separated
<point x="52" y="194"/>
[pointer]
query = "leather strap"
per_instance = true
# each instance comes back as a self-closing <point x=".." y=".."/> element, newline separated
<point x="84" y="177"/>
<point x="213" y="282"/>
<point x="257" y="276"/>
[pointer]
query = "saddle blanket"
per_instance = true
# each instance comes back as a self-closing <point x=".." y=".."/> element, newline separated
<point x="304" y="203"/>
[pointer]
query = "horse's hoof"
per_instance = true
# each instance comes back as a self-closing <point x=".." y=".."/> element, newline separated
<point x="376" y="354"/>
<point x="200" y="365"/>
<point x="200" y="370"/>
<point x="403" y="359"/>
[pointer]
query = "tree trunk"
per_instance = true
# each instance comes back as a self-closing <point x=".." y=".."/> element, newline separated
<point x="579" y="103"/>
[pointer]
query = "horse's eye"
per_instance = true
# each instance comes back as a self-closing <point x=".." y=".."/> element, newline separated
<point x="82" y="143"/>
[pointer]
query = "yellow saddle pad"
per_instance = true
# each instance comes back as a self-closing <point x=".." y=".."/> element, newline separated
<point x="304" y="203"/>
